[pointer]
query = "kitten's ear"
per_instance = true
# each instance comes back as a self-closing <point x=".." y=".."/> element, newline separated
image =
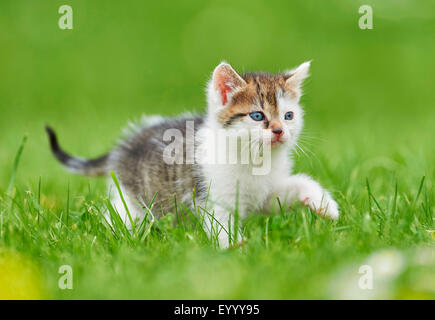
<point x="224" y="82"/>
<point x="296" y="78"/>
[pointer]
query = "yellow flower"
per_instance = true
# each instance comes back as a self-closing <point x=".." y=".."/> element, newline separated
<point x="19" y="278"/>
<point x="432" y="234"/>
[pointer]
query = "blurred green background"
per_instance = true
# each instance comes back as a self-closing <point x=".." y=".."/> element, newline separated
<point x="369" y="102"/>
<point x="126" y="58"/>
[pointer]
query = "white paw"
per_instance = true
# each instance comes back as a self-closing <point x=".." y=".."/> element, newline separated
<point x="224" y="240"/>
<point x="322" y="203"/>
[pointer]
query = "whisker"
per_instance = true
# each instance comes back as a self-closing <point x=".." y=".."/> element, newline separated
<point x="302" y="150"/>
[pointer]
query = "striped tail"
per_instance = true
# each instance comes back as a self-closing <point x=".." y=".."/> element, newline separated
<point x="87" y="167"/>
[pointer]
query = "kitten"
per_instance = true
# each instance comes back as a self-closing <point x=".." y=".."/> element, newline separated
<point x="145" y="165"/>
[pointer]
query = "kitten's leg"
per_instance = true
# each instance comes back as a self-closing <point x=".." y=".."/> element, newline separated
<point x="136" y="212"/>
<point x="217" y="222"/>
<point x="303" y="188"/>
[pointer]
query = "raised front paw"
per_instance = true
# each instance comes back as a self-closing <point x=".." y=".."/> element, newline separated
<point x="321" y="202"/>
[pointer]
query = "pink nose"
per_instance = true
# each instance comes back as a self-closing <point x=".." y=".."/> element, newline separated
<point x="277" y="132"/>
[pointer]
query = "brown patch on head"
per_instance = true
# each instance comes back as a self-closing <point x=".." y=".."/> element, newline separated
<point x="259" y="94"/>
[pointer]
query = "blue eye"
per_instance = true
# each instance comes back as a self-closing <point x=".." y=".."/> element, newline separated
<point x="288" y="116"/>
<point x="257" y="116"/>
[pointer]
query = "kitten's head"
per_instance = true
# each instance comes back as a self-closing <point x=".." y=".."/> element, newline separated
<point x="258" y="101"/>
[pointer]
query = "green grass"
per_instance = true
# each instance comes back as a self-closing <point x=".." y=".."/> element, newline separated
<point x="368" y="138"/>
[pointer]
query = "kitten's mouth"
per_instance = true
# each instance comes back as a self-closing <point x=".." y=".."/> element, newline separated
<point x="276" y="143"/>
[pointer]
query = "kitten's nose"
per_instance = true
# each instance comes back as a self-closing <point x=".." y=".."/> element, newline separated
<point x="277" y="132"/>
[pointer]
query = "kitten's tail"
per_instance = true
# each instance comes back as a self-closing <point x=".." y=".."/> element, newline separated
<point x="88" y="167"/>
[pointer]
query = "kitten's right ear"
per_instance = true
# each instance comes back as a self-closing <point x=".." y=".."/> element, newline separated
<point x="224" y="82"/>
<point x="296" y="77"/>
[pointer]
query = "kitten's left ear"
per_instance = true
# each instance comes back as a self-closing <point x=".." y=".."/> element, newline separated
<point x="296" y="78"/>
<point x="224" y="82"/>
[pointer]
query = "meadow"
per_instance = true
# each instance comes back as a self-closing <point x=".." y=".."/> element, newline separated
<point x="368" y="137"/>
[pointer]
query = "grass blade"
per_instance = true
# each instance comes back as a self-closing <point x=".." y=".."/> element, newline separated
<point x="16" y="163"/>
<point x="115" y="180"/>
